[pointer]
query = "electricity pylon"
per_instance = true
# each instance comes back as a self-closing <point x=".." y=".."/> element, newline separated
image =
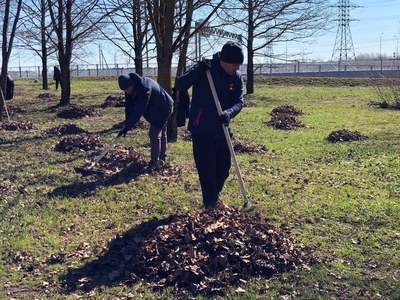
<point x="344" y="48"/>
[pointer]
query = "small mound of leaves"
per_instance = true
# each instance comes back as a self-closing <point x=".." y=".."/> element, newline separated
<point x="248" y="147"/>
<point x="76" y="143"/>
<point x="287" y="109"/>
<point x="77" y="112"/>
<point x="203" y="252"/>
<point x="140" y="125"/>
<point x="344" y="135"/>
<point x="47" y="96"/>
<point x="285" y="122"/>
<point x="122" y="164"/>
<point x="186" y="136"/>
<point x="113" y="101"/>
<point x="12" y="110"/>
<point x="65" y="129"/>
<point x="15" y="125"/>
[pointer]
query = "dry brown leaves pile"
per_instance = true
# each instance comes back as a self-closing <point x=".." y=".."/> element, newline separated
<point x="287" y="109"/>
<point x="77" y="112"/>
<point x="15" y="125"/>
<point x="12" y="110"/>
<point x="206" y="251"/>
<point x="283" y="117"/>
<point x="64" y="129"/>
<point x="113" y="101"/>
<point x="344" y="135"/>
<point x="248" y="147"/>
<point x="82" y="142"/>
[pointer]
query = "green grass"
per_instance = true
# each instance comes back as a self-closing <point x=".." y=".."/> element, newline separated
<point x="339" y="199"/>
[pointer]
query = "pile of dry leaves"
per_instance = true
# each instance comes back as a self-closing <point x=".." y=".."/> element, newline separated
<point x="202" y="252"/>
<point x="65" y="129"/>
<point x="82" y="142"/>
<point x="284" y="117"/>
<point x="15" y="125"/>
<point x="344" y="135"/>
<point x="113" y="101"/>
<point x="77" y="112"/>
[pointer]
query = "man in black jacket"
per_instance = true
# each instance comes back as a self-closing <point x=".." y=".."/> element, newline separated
<point x="210" y="148"/>
<point x="145" y="97"/>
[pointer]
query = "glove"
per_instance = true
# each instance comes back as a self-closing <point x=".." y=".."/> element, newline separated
<point x="224" y="118"/>
<point x="205" y="64"/>
<point x="123" y="132"/>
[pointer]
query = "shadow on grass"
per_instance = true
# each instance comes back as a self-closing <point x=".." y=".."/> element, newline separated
<point x="90" y="184"/>
<point x="112" y="267"/>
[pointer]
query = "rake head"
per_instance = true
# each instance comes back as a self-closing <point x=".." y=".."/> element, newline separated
<point x="88" y="172"/>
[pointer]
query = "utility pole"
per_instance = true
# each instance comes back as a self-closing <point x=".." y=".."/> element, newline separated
<point x="344" y="48"/>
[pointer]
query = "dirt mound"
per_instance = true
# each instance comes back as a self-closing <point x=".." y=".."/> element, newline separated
<point x="206" y="251"/>
<point x="344" y="135"/>
<point x="285" y="122"/>
<point x="15" y="125"/>
<point x="113" y="101"/>
<point x="287" y="109"/>
<point x="65" y="129"/>
<point x="77" y="112"/>
<point x="76" y="143"/>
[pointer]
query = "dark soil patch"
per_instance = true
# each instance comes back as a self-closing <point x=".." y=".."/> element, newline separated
<point x="204" y="252"/>
<point x="344" y="135"/>
<point x="76" y="143"/>
<point x="113" y="101"/>
<point x="76" y="112"/>
<point x="15" y="125"/>
<point x="65" y="129"/>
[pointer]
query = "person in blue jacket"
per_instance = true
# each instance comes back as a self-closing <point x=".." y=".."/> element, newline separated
<point x="145" y="97"/>
<point x="210" y="149"/>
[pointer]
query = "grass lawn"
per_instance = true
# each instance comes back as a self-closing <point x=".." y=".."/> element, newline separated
<point x="339" y="199"/>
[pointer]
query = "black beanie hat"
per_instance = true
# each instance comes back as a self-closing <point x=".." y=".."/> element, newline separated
<point x="124" y="81"/>
<point x="232" y="53"/>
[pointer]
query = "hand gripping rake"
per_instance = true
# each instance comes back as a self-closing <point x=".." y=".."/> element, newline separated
<point x="247" y="204"/>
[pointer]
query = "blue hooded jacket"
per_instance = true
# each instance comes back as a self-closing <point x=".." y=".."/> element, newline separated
<point x="149" y="100"/>
<point x="203" y="116"/>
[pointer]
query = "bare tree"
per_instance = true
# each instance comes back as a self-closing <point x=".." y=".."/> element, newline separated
<point x="74" y="23"/>
<point x="34" y="34"/>
<point x="129" y="29"/>
<point x="163" y="16"/>
<point x="10" y="18"/>
<point x="268" y="22"/>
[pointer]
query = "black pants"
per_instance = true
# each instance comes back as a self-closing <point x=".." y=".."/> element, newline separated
<point x="58" y="82"/>
<point x="213" y="161"/>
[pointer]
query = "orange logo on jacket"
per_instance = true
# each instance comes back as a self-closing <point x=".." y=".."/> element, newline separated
<point x="231" y="87"/>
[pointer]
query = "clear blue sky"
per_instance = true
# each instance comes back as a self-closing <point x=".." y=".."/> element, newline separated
<point x="375" y="25"/>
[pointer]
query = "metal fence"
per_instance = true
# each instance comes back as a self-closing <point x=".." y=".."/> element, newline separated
<point x="366" y="69"/>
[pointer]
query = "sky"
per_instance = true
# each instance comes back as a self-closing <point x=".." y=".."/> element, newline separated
<point x="374" y="29"/>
